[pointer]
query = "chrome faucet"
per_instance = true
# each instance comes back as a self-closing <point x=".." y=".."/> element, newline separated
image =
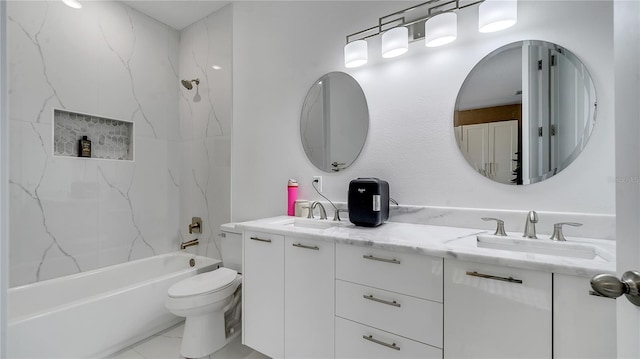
<point x="323" y="212"/>
<point x="530" y="225"/>
<point x="193" y="242"/>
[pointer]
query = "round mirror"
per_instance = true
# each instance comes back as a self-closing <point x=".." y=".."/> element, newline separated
<point x="334" y="122"/>
<point x="525" y="112"/>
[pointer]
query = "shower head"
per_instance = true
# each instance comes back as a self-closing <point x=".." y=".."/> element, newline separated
<point x="188" y="84"/>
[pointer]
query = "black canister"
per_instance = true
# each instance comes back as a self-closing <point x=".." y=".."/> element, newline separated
<point x="368" y="201"/>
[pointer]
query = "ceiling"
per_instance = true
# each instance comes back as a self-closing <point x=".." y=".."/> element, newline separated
<point x="177" y="13"/>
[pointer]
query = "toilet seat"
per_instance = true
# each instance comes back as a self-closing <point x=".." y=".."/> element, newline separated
<point x="204" y="284"/>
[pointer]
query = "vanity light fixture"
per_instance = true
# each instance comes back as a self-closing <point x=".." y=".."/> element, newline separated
<point x="395" y="42"/>
<point x="355" y="54"/>
<point x="435" y="21"/>
<point x="496" y="15"/>
<point x="73" y="4"/>
<point x="441" y="29"/>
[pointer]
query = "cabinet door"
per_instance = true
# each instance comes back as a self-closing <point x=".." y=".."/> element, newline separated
<point x="503" y="145"/>
<point x="475" y="144"/>
<point x="496" y="312"/>
<point x="584" y="325"/>
<point x="309" y="298"/>
<point x="263" y="293"/>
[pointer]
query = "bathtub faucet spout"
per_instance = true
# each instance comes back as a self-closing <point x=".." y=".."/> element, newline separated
<point x="193" y="242"/>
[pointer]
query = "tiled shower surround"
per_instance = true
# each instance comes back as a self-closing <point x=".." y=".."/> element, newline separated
<point x="111" y="139"/>
<point x="69" y="215"/>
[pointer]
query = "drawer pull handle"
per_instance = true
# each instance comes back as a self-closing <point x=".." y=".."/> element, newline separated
<point x="488" y="276"/>
<point x="299" y="245"/>
<point x="596" y="294"/>
<point x="261" y="240"/>
<point x="369" y="256"/>
<point x="372" y="339"/>
<point x="371" y="297"/>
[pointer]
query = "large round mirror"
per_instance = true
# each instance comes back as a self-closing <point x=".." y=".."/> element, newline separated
<point x="525" y="112"/>
<point x="334" y="122"/>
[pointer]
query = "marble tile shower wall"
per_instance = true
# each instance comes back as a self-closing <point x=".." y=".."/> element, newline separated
<point x="205" y="127"/>
<point x="66" y="214"/>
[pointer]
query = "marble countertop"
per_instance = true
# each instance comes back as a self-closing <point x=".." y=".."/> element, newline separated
<point x="440" y="241"/>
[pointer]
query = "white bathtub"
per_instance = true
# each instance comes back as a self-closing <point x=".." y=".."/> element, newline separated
<point x="96" y="313"/>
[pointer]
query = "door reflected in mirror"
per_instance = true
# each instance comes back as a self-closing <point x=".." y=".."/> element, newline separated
<point x="334" y="122"/>
<point x="525" y="112"/>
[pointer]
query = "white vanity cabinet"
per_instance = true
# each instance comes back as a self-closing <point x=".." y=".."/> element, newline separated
<point x="263" y="293"/>
<point x="584" y="325"/>
<point x="496" y="312"/>
<point x="288" y="296"/>
<point x="388" y="304"/>
<point x="309" y="297"/>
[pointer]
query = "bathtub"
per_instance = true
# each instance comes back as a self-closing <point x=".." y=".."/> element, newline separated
<point x="96" y="313"/>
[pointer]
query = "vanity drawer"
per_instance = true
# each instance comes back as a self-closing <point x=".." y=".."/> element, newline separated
<point x="406" y="273"/>
<point x="355" y="340"/>
<point x="410" y="317"/>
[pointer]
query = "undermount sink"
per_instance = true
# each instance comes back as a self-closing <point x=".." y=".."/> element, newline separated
<point x="313" y="223"/>
<point x="544" y="246"/>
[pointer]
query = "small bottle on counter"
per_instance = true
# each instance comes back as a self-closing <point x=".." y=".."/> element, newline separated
<point x="292" y="194"/>
<point x="84" y="147"/>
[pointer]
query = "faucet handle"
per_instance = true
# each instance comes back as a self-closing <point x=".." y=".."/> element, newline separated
<point x="557" y="230"/>
<point x="196" y="225"/>
<point x="310" y="213"/>
<point x="336" y="214"/>
<point x="500" y="226"/>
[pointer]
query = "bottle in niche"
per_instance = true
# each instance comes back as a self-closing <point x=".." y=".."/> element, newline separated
<point x="84" y="147"/>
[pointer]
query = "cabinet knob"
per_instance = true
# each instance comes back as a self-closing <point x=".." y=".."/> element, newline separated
<point x="610" y="286"/>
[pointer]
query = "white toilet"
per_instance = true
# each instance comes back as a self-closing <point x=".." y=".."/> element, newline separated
<point x="210" y="301"/>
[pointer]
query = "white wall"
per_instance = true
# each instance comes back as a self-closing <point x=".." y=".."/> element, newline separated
<point x="67" y="214"/>
<point x="205" y="128"/>
<point x="281" y="48"/>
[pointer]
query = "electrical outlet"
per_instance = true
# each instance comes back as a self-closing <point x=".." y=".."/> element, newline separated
<point x="318" y="182"/>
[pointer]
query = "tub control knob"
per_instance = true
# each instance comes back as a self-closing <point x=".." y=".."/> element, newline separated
<point x="196" y="225"/>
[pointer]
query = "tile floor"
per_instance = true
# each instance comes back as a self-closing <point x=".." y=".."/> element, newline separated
<point x="166" y="345"/>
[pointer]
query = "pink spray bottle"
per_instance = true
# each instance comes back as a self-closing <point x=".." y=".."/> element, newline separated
<point x="292" y="191"/>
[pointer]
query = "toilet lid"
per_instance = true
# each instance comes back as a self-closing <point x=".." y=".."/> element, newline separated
<point x="203" y="283"/>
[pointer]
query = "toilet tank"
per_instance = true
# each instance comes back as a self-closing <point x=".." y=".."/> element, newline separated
<point x="231" y="246"/>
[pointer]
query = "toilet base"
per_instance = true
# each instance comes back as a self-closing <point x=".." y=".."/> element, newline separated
<point x="203" y="335"/>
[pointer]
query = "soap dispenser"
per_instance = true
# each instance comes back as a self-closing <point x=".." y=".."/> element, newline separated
<point x="84" y="147"/>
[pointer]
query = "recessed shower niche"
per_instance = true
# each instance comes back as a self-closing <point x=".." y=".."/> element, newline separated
<point x="110" y="139"/>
